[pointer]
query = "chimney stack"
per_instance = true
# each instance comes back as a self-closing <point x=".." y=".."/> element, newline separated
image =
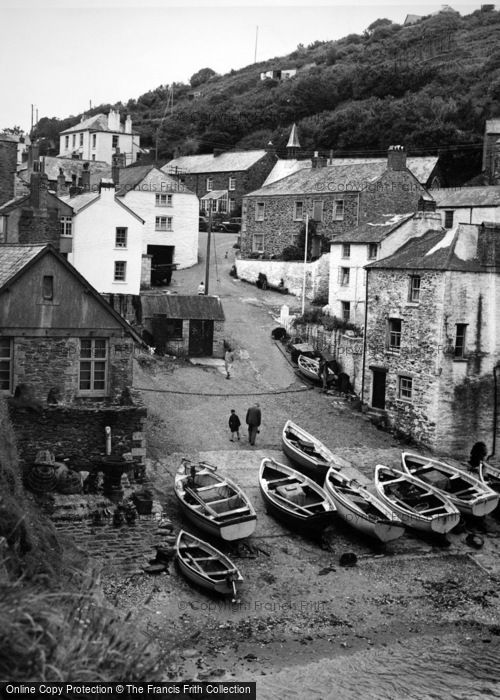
<point x="107" y="188"/>
<point x="114" y="120"/>
<point x="318" y="161"/>
<point x="426" y="204"/>
<point x="488" y="245"/>
<point x="118" y="160"/>
<point x="86" y="177"/>
<point x="39" y="185"/>
<point x="396" y="158"/>
<point x="128" y="124"/>
<point x="61" y="183"/>
<point x="8" y="165"/>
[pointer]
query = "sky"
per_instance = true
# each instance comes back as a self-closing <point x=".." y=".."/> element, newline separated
<point x="64" y="55"/>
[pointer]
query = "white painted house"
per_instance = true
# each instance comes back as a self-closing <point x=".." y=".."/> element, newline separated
<point x="106" y="240"/>
<point x="170" y="212"/>
<point x="351" y="251"/>
<point x="468" y="205"/>
<point x="99" y="138"/>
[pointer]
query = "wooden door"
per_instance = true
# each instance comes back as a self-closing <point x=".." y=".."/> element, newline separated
<point x="378" y="392"/>
<point x="201" y="338"/>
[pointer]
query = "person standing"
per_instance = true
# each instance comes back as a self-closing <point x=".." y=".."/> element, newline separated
<point x="253" y="420"/>
<point x="228" y="362"/>
<point x="201" y="288"/>
<point x="234" y="425"/>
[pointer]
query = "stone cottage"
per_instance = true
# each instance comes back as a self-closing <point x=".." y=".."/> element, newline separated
<point x="433" y="338"/>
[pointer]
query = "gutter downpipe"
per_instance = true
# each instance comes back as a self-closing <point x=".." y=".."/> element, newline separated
<point x="364" y="341"/>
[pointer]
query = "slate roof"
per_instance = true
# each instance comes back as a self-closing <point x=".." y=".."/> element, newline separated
<point x="71" y="166"/>
<point x="284" y="167"/>
<point x="99" y="122"/>
<point x="420" y="166"/>
<point x="14" y="257"/>
<point x="13" y="204"/>
<point x="132" y="176"/>
<point x="188" y="307"/>
<point x="373" y="231"/>
<point x="487" y="196"/>
<point x="80" y="201"/>
<point x="208" y="163"/>
<point x="454" y="249"/>
<point x="332" y="178"/>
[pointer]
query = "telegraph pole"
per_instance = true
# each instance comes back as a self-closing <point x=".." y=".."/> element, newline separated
<point x="256" y="37"/>
<point x="305" y="268"/>
<point x="207" y="262"/>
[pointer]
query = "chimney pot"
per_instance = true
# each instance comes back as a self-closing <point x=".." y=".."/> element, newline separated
<point x="396" y="158"/>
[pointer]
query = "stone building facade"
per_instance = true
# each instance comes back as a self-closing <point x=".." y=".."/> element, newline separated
<point x="8" y="164"/>
<point x="433" y="340"/>
<point x="228" y="175"/>
<point x="337" y="198"/>
<point x="491" y="152"/>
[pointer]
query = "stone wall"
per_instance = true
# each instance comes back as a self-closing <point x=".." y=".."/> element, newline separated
<point x="54" y="362"/>
<point x="279" y="226"/>
<point x="292" y="274"/>
<point x="78" y="432"/>
<point x="395" y="192"/>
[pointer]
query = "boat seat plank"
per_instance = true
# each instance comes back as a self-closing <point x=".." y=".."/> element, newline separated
<point x="392" y="481"/>
<point x="192" y="561"/>
<point x="291" y="504"/>
<point x="436" y="509"/>
<point x="205" y="558"/>
<point x="242" y="509"/>
<point x="287" y="480"/>
<point x="465" y="492"/>
<point x="215" y="485"/>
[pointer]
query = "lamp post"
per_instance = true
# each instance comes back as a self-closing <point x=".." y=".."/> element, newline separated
<point x="305" y="267"/>
<point x="207" y="261"/>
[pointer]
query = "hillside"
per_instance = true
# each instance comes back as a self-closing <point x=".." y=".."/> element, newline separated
<point x="430" y="86"/>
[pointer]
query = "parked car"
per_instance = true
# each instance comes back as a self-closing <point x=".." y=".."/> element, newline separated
<point x="230" y="226"/>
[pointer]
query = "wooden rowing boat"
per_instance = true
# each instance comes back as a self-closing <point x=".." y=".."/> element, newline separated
<point x="214" y="503"/>
<point x="418" y="505"/>
<point x="293" y="498"/>
<point x="490" y="476"/>
<point x="465" y="491"/>
<point x="311" y="456"/>
<point x="309" y="367"/>
<point x="203" y="564"/>
<point x="362" y="509"/>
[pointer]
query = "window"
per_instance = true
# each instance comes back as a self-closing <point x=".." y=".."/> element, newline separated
<point x="394" y="339"/>
<point x="81" y="139"/>
<point x="93" y="156"/>
<point x="163" y="223"/>
<point x="346" y="250"/>
<point x="259" y="211"/>
<point x="114" y="142"/>
<point x="318" y="211"/>
<point x="174" y="328"/>
<point x="74" y="140"/>
<point x="414" y="289"/>
<point x="3" y="228"/>
<point x="461" y="329"/>
<point x="209" y="184"/>
<point x="298" y="214"/>
<point x="120" y="270"/>
<point x="93" y="366"/>
<point x="232" y="184"/>
<point x="94" y="140"/>
<point x="121" y="237"/>
<point x="344" y="276"/>
<point x="232" y="205"/>
<point x="163" y="200"/>
<point x="66" y="225"/>
<point x="258" y="243"/>
<point x="48" y="287"/>
<point x="338" y="210"/>
<point x="372" y="251"/>
<point x="66" y="141"/>
<point x="405" y="389"/>
<point x="346" y="311"/>
<point x="448" y="218"/>
<point x="5" y="364"/>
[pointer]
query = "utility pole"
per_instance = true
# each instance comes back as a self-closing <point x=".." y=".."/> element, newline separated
<point x="305" y="267"/>
<point x="256" y="37"/>
<point x="32" y="106"/>
<point x="207" y="261"/>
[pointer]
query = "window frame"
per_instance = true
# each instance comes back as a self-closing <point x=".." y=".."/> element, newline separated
<point x="318" y="204"/>
<point x="346" y="250"/>
<point x="345" y="307"/>
<point x="93" y="360"/>
<point x="296" y="205"/>
<point x="115" y="141"/>
<point x="178" y="328"/>
<point x="412" y="288"/>
<point x="209" y="184"/>
<point x="47" y="288"/>
<point x="66" y="223"/>
<point x="405" y="384"/>
<point x="231" y="184"/>
<point x="260" y="211"/>
<point x="370" y="248"/>
<point x="338" y="209"/>
<point x="9" y="360"/>
<point x="447" y="213"/>
<point x="344" y="276"/>
<point x="393" y="334"/>
<point x="255" y="249"/>
<point x="94" y="140"/>
<point x="168" y="223"/>
<point x="162" y="199"/>
<point x="121" y="230"/>
<point x="66" y="141"/>
<point x="118" y="276"/>
<point x="459" y="350"/>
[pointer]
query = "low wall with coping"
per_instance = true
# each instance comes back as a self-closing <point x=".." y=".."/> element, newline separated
<point x="292" y="274"/>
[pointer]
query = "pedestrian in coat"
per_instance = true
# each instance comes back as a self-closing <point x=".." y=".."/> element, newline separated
<point x="228" y="362"/>
<point x="253" y="421"/>
<point x="234" y="425"/>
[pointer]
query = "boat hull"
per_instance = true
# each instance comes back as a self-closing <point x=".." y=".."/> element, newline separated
<point x="311" y="525"/>
<point x="222" y="586"/>
<point x="236" y="529"/>
<point x="314" y="467"/>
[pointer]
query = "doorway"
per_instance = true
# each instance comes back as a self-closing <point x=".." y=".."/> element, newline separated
<point x="378" y="388"/>
<point x="161" y="264"/>
<point x="201" y="338"/>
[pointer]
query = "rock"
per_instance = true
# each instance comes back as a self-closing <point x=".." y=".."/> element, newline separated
<point x="154" y="569"/>
<point x="348" y="559"/>
<point x="475" y="541"/>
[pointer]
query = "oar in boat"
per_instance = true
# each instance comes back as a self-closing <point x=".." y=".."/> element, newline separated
<point x="200" y="500"/>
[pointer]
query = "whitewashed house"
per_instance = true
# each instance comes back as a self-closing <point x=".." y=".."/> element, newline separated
<point x="351" y="251"/>
<point x="468" y="205"/>
<point x="170" y="212"/>
<point x="101" y="137"/>
<point x="106" y="240"/>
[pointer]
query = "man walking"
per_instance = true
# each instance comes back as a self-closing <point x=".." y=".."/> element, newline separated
<point x="253" y="420"/>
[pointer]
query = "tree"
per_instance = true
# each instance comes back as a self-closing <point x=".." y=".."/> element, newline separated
<point x="14" y="131"/>
<point x="201" y="76"/>
<point x="377" y="24"/>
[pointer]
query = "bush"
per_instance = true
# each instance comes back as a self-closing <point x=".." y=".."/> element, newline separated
<point x="292" y="252"/>
<point x="320" y="299"/>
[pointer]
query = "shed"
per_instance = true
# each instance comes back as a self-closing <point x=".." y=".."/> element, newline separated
<point x="186" y="325"/>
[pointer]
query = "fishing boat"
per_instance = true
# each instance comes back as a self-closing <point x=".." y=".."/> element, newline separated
<point x="465" y="491"/>
<point x="311" y="456"/>
<point x="293" y="498"/>
<point x="309" y="368"/>
<point x="418" y="505"/>
<point x="490" y="476"/>
<point x="214" y="503"/>
<point x="203" y="564"/>
<point x="362" y="509"/>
